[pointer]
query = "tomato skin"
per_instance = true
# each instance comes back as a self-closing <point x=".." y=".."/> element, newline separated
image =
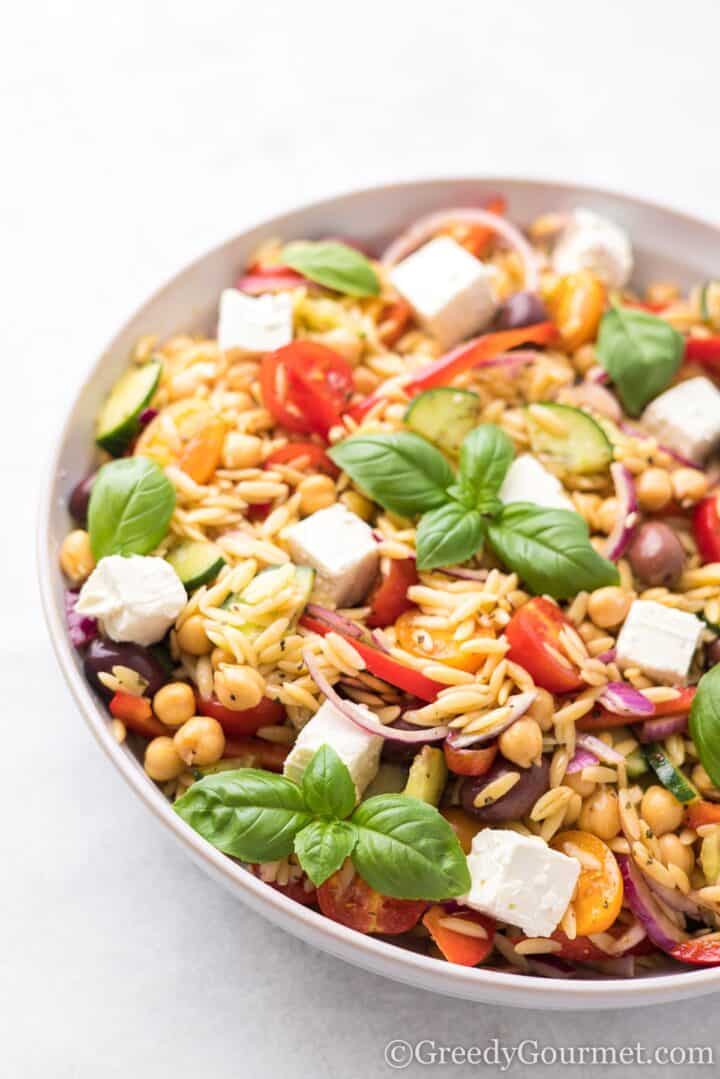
<point x="136" y="713"/>
<point x="706" y="529"/>
<point x="576" y="306"/>
<point x="600" y="720"/>
<point x="460" y="948"/>
<point x="257" y="753"/>
<point x="355" y="904"/>
<point x="463" y="825"/>
<point x="677" y="707"/>
<point x="318" y="386"/>
<point x="599" y="892"/>
<point x="294" y="889"/>
<point x="266" y="714"/>
<point x="702" y="812"/>
<point x="442" y="647"/>
<point x="582" y="949"/>
<point x="388" y="600"/>
<point x="538" y="623"/>
<point x="704" y="350"/>
<point x="698" y="952"/>
<point x="293" y="451"/>
<point x="469" y="762"/>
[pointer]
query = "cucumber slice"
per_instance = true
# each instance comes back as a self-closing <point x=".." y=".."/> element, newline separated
<point x="670" y="776"/>
<point x="636" y="764"/>
<point x="118" y="422"/>
<point x="710" y="303"/>
<point x="582" y="448"/>
<point x="391" y="779"/>
<point x="444" y="416"/>
<point x="196" y="562"/>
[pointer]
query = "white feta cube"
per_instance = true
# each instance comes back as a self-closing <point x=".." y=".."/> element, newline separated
<point x="254" y="324"/>
<point x="528" y="481"/>
<point x="359" y="752"/>
<point x="450" y="291"/>
<point x="686" y="418"/>
<point x="341" y="548"/>
<point x="592" y="242"/>
<point x="660" y="640"/>
<point x="136" y="598"/>
<point x="520" y="880"/>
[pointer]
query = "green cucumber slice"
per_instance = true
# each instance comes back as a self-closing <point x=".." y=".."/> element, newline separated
<point x="118" y="422"/>
<point x="583" y="447"/>
<point x="444" y="416"/>
<point x="196" y="562"/>
<point x="636" y="764"/>
<point x="710" y="303"/>
<point x="670" y="776"/>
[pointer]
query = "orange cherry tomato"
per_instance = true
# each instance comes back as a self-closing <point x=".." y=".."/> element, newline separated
<point x="304" y="451"/>
<point x="469" y="762"/>
<point x="599" y="892"/>
<point x="458" y="947"/>
<point x="436" y="645"/>
<point x="463" y="825"/>
<point x="202" y="454"/>
<point x="388" y="600"/>
<point x="699" y="813"/>
<point x="576" y="305"/>
<point x="188" y="434"/>
<point x="137" y="715"/>
<point x="349" y="900"/>
<point x="247" y="721"/>
<point x="532" y="632"/>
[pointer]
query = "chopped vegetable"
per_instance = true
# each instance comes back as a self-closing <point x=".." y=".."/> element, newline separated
<point x="444" y="416"/>
<point x="136" y="714"/>
<point x="196" y="562"/>
<point x="464" y="947"/>
<point x="119" y="419"/>
<point x="534" y="635"/>
<point x="581" y="448"/>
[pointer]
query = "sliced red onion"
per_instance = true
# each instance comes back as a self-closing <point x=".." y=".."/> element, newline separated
<point x="518" y="704"/>
<point x="599" y="749"/>
<point x="146" y="416"/>
<point x="646" y="908"/>
<point x="336" y="621"/>
<point x="582" y="758"/>
<point x="81" y="628"/>
<point x="608" y="657"/>
<point x="622" y="699"/>
<point x="551" y="966"/>
<point x="628" y="516"/>
<point x="429" y="226"/>
<point x="657" y="730"/>
<point x="363" y="717"/>
<point x="517" y="358"/>
<point x="598" y="375"/>
<point x="593" y="395"/>
<point x="675" y="899"/>
<point x="629" y="429"/>
<point x="466" y="574"/>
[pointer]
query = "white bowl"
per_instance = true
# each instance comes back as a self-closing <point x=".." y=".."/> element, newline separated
<point x="668" y="246"/>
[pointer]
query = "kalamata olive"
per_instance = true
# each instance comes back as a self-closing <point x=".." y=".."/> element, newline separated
<point x="80" y="497"/>
<point x="521" y="309"/>
<point x="656" y="554"/>
<point x="102" y="655"/>
<point x="519" y="800"/>
<point x="712" y="653"/>
<point x="400" y="752"/>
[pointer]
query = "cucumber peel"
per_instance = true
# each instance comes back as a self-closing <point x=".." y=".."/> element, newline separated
<point x="196" y="562"/>
<point x="119" y="419"/>
<point x="582" y="449"/>
<point x="671" y="777"/>
<point x="444" y="416"/>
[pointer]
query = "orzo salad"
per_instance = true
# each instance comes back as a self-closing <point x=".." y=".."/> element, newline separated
<point x="405" y="587"/>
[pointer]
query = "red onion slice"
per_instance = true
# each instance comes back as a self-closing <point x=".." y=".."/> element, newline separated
<point x="622" y="699"/>
<point x="81" y="628"/>
<point x="592" y="395"/>
<point x="336" y="621"/>
<point x="646" y="908"/>
<point x="466" y="574"/>
<point x="363" y="717"/>
<point x="629" y="429"/>
<point x="609" y="656"/>
<point x="675" y="899"/>
<point x="628" y="517"/>
<point x="582" y="758"/>
<point x="518" y="704"/>
<point x="657" y="730"/>
<point x="599" y="749"/>
<point x="429" y="226"/>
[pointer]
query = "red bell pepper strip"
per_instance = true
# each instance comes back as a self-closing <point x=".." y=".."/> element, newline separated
<point x="244" y="721"/>
<point x="136" y="713"/>
<point x="388" y="600"/>
<point x="706" y="529"/>
<point x="679" y="706"/>
<point x="703" y="350"/>
<point x="382" y="665"/>
<point x="459" y="947"/>
<point x="699" y="813"/>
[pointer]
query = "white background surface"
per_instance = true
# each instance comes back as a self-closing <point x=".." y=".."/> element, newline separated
<point x="136" y="135"/>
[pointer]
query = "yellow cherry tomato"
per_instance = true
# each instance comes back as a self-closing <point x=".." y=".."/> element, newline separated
<point x="436" y="645"/>
<point x="575" y="304"/>
<point x="599" y="893"/>
<point x="188" y="434"/>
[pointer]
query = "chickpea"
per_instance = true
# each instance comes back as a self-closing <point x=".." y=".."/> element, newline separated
<point x="542" y="709"/>
<point x="676" y="853"/>
<point x="219" y="655"/>
<point x="600" y="814"/>
<point x="607" y="515"/>
<point x="654" y="489"/>
<point x="583" y="787"/>
<point x="241" y="451"/>
<point x="239" y="687"/>
<point x="661" y="810"/>
<point x="162" y="760"/>
<point x="689" y="484"/>
<point x="192" y="638"/>
<point x="522" y="742"/>
<point x="174" y="704"/>
<point x="357" y="504"/>
<point x="76" y="557"/>
<point x="608" y="607"/>
<point x="200" y="741"/>
<point x="316" y="493"/>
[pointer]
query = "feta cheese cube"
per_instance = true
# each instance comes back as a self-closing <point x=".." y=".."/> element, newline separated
<point x="341" y="549"/>
<point x="529" y="481"/>
<point x="254" y="323"/>
<point x="520" y="880"/>
<point x="660" y="640"/>
<point x="686" y="418"/>
<point x="136" y="598"/>
<point x="592" y="242"/>
<point x="359" y="752"/>
<point x="450" y="291"/>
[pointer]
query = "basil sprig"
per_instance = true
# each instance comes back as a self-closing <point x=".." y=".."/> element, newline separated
<point x="401" y="846"/>
<point x="549" y="548"/>
<point x="640" y="352"/>
<point x="334" y="265"/>
<point x="705" y="722"/>
<point x="130" y="507"/>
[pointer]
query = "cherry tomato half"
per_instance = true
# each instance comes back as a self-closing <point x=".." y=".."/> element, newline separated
<point x="304" y="451"/>
<point x="576" y="305"/>
<point x="266" y="714"/>
<point x="388" y="600"/>
<point x="197" y="442"/>
<point x="706" y="529"/>
<point x="599" y="892"/>
<point x="435" y="645"/>
<point x="460" y="948"/>
<point x="469" y="762"/>
<point x="294" y="889"/>
<point x="256" y="753"/>
<point x="306" y="386"/>
<point x="530" y="631"/>
<point x="350" y="901"/>
<point x="698" y="952"/>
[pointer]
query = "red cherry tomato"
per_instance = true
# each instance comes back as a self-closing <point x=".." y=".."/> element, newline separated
<point x="469" y="762"/>
<point x="389" y="599"/>
<point x="256" y="753"/>
<point x="136" y="713"/>
<point x="248" y="721"/>
<point x="306" y="386"/>
<point x="460" y="948"/>
<point x="314" y="455"/>
<point x="352" y="902"/>
<point x="698" y="952"/>
<point x="706" y="529"/>
<point x="294" y="889"/>
<point x="705" y="350"/>
<point x="532" y="632"/>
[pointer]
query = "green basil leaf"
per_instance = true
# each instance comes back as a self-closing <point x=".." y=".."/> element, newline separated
<point x="485" y="456"/>
<point x="550" y="550"/>
<point x="402" y="472"/>
<point x="250" y="814"/>
<point x="705" y="723"/>
<point x="448" y="535"/>
<point x="335" y="265"/>
<point x="407" y="850"/>
<point x="640" y="352"/>
<point x="323" y="846"/>
<point x="130" y="508"/>
<point x="327" y="785"/>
